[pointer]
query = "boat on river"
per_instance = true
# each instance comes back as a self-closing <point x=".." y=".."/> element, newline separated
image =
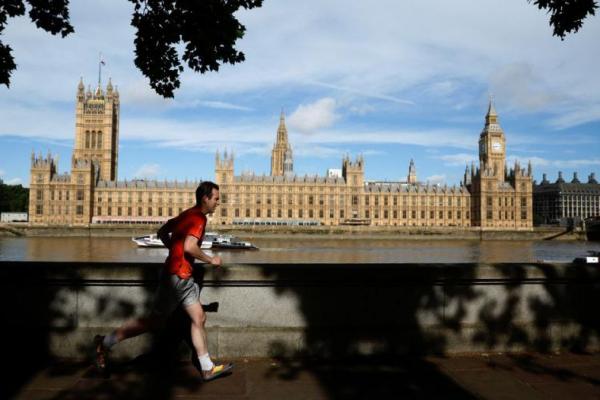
<point x="152" y="241"/>
<point x="211" y="240"/>
<point x="231" y="243"/>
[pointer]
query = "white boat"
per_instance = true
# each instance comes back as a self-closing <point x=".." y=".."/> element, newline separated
<point x="154" y="241"/>
<point x="231" y="242"/>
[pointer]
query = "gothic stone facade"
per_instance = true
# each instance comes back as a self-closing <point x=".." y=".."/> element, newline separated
<point x="91" y="193"/>
<point x="490" y="196"/>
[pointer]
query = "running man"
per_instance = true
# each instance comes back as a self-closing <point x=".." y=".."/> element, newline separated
<point x="182" y="235"/>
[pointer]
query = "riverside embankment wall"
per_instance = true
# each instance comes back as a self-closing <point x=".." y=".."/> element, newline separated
<point x="328" y="310"/>
<point x="412" y="233"/>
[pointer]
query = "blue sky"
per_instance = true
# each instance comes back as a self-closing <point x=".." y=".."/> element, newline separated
<point x="392" y="80"/>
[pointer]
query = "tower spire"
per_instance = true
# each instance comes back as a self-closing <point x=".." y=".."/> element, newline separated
<point x="491" y="116"/>
<point x="282" y="130"/>
<point x="281" y="156"/>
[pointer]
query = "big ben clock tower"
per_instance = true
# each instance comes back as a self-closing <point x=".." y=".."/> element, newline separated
<point x="492" y="145"/>
<point x="501" y="198"/>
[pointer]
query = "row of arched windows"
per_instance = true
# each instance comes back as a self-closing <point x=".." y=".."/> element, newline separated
<point x="93" y="140"/>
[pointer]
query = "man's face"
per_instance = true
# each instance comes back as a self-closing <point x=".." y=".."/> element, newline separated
<point x="212" y="202"/>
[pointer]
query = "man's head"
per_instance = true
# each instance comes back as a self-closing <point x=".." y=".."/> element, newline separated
<point x="207" y="196"/>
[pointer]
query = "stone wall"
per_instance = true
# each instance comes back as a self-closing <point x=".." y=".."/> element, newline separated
<point x="328" y="310"/>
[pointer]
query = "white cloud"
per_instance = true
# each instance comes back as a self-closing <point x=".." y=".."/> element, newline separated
<point x="578" y="116"/>
<point x="199" y="135"/>
<point x="436" y="179"/>
<point x="522" y="87"/>
<point x="543" y="162"/>
<point x="576" y="163"/>
<point x="309" y="118"/>
<point x="363" y="93"/>
<point x="308" y="150"/>
<point x="349" y="46"/>
<point x="223" y="105"/>
<point x="138" y="93"/>
<point x="459" y="159"/>
<point x="210" y="104"/>
<point x="444" y="88"/>
<point x="147" y="171"/>
<point x="362" y="109"/>
<point x="14" y="181"/>
<point x="24" y="120"/>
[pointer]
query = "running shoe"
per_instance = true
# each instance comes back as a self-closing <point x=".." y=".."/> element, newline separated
<point x="217" y="371"/>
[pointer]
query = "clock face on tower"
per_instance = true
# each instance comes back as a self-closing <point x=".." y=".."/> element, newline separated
<point x="496" y="146"/>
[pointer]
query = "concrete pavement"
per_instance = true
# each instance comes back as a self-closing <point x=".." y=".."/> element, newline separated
<point x="487" y="376"/>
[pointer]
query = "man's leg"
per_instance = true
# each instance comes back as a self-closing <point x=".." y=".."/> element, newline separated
<point x="129" y="329"/>
<point x="165" y="302"/>
<point x="198" y="333"/>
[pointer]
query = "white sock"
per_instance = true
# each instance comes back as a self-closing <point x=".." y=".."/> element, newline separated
<point x="205" y="362"/>
<point x="109" y="340"/>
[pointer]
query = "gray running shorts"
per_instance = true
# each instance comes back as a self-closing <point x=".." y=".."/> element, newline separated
<point x="173" y="291"/>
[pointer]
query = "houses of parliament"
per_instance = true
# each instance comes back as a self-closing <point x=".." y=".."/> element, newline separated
<point x="490" y="196"/>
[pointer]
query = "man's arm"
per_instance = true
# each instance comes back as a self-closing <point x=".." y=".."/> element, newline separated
<point x="164" y="233"/>
<point x="192" y="247"/>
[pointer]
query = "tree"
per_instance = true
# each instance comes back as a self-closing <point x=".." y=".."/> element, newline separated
<point x="207" y="28"/>
<point x="13" y="198"/>
<point x="567" y="16"/>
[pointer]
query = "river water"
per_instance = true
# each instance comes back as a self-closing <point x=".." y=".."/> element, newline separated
<point x="317" y="249"/>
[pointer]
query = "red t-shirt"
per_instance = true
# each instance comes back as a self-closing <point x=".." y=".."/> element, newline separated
<point x="190" y="222"/>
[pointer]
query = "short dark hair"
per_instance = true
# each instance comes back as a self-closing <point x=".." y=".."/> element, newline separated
<point x="205" y="189"/>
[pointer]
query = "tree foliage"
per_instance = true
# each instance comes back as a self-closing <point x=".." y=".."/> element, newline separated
<point x="567" y="16"/>
<point x="207" y="29"/>
<point x="13" y="198"/>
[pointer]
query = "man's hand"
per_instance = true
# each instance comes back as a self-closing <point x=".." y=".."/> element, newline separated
<point x="216" y="261"/>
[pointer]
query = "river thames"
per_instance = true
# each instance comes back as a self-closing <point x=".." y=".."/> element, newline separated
<point x="312" y="249"/>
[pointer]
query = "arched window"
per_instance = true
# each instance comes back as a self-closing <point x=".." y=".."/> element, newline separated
<point x="99" y="140"/>
<point x="87" y="139"/>
<point x="93" y="139"/>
